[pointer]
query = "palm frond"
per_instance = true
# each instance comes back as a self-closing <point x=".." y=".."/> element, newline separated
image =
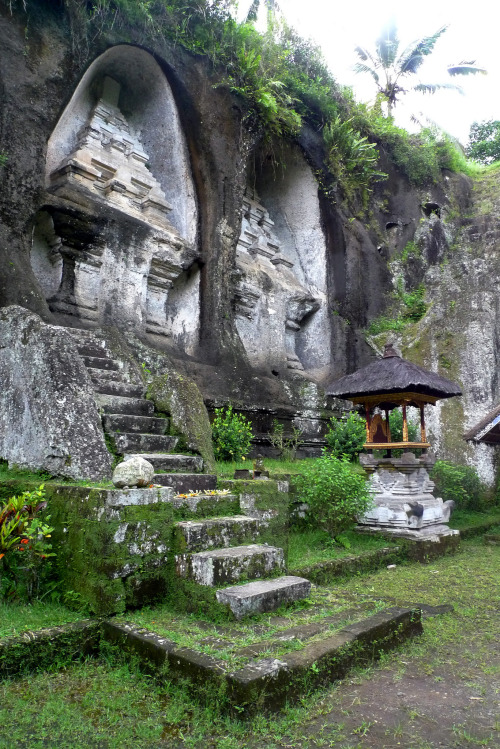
<point x="466" y="67"/>
<point x="413" y="56"/>
<point x="431" y="88"/>
<point x="360" y="68"/>
<point x="387" y="44"/>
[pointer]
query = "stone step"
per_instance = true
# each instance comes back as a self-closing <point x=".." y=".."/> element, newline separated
<point x="222" y="566"/>
<point x="118" y="404"/>
<point x="101" y="362"/>
<point x="116" y="387"/>
<point x="126" y="423"/>
<point x="183" y="483"/>
<point x="144" y="443"/>
<point x="263" y="596"/>
<point x="104" y="375"/>
<point x="169" y="462"/>
<point x="202" y="535"/>
<point x="94" y="350"/>
<point x="83" y="333"/>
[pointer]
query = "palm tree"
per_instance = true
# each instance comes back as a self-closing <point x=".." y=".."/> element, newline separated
<point x="389" y="69"/>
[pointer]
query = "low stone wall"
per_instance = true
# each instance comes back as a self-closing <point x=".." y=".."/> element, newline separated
<point x="114" y="547"/>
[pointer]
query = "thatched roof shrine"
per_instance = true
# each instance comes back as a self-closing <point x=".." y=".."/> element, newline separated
<point x="393" y="374"/>
<point x="487" y="430"/>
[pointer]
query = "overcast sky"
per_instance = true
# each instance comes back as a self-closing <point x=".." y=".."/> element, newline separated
<point x="338" y="27"/>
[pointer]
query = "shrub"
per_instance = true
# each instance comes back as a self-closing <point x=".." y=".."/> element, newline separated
<point x="396" y="426"/>
<point x="346" y="436"/>
<point x="459" y="483"/>
<point x="351" y="158"/>
<point x="286" y="446"/>
<point x="231" y="434"/>
<point x="23" y="544"/>
<point x="335" y="493"/>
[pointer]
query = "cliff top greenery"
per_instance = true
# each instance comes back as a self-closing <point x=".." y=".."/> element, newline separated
<point x="282" y="80"/>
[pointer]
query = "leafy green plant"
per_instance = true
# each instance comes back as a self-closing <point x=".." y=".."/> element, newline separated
<point x="335" y="493"/>
<point x="287" y="446"/>
<point x="351" y="158"/>
<point x="484" y="141"/>
<point x="24" y="543"/>
<point x="459" y="483"/>
<point x="346" y="436"/>
<point x="412" y="306"/>
<point x="231" y="434"/>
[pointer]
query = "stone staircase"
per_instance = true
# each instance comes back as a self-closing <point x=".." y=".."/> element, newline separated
<point x="129" y="419"/>
<point x="210" y="551"/>
<point x="209" y="554"/>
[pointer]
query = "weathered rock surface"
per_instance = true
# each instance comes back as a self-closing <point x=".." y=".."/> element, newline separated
<point x="48" y="417"/>
<point x="133" y="472"/>
<point x="121" y="205"/>
<point x="263" y="595"/>
<point x="178" y="396"/>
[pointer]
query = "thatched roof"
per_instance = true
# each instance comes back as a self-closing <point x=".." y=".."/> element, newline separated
<point x="392" y="374"/>
<point x="487" y="430"/>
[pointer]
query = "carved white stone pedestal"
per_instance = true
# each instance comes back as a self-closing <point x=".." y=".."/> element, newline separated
<point x="404" y="504"/>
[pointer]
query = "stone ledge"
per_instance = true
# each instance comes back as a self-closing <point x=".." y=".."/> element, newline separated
<point x="269" y="683"/>
<point x="34" y="650"/>
<point x="420" y="548"/>
<point x="322" y="573"/>
<point x="263" y="595"/>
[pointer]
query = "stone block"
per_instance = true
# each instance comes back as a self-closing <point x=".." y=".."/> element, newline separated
<point x="201" y="535"/>
<point x="179" y="396"/>
<point x="101" y="362"/>
<point x="143" y="424"/>
<point x="118" y="404"/>
<point x="263" y="595"/>
<point x="117" y="387"/>
<point x="168" y="462"/>
<point x="267" y="501"/>
<point x="183" y="483"/>
<point x="143" y="443"/>
<point x="222" y="566"/>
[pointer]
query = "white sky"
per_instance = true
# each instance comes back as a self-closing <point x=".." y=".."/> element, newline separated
<point x="473" y="33"/>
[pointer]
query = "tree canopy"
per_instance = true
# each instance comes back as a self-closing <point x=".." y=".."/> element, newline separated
<point x="484" y="141"/>
<point x="390" y="68"/>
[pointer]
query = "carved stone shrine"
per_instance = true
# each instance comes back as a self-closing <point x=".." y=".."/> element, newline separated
<point x="402" y="491"/>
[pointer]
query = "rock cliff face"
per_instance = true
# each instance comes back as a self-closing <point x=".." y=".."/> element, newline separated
<point x="456" y="255"/>
<point x="135" y="197"/>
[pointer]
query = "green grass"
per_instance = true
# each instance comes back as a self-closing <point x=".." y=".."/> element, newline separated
<point x="100" y="704"/>
<point x="16" y="618"/>
<point x="14" y="473"/>
<point x="275" y="466"/>
<point x="309" y="546"/>
<point x="462" y="519"/>
<point x="223" y="641"/>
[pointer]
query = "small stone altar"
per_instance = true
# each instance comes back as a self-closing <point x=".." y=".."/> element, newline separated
<point x="404" y="503"/>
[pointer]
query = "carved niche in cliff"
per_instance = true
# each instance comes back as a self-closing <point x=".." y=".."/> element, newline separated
<point x="280" y="294"/>
<point x="120" y="229"/>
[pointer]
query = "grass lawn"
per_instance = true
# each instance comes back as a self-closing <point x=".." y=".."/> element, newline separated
<point x="308" y="546"/>
<point x="462" y="519"/>
<point x="439" y="690"/>
<point x="16" y="618"/>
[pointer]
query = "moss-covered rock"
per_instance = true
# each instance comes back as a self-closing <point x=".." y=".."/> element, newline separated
<point x="268" y="501"/>
<point x="177" y="395"/>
